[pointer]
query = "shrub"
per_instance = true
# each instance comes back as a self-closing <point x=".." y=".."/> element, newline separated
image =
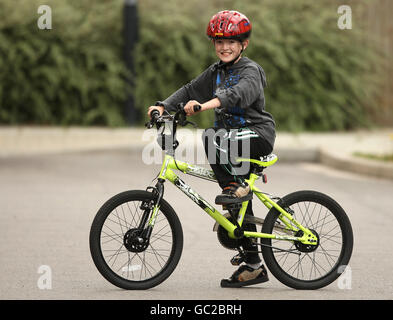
<point x="72" y="74"/>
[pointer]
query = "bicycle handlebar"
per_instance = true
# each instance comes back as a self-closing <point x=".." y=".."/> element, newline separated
<point x="155" y="115"/>
<point x="197" y="107"/>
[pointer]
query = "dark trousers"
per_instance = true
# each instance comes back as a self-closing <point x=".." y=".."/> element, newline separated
<point x="221" y="148"/>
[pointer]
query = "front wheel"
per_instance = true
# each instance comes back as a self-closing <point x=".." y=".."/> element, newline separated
<point x="116" y="244"/>
<point x="303" y="266"/>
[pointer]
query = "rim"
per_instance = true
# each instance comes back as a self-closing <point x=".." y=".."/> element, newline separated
<point x="129" y="265"/>
<point x="316" y="264"/>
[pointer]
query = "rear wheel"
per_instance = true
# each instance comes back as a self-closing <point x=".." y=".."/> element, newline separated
<point x="303" y="266"/>
<point x="117" y="243"/>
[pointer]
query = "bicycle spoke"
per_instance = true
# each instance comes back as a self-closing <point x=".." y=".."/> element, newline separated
<point x="156" y="256"/>
<point x="116" y="254"/>
<point x="121" y="226"/>
<point x="117" y="223"/>
<point x="113" y="237"/>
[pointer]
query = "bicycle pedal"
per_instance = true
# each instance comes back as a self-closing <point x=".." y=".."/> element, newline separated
<point x="237" y="260"/>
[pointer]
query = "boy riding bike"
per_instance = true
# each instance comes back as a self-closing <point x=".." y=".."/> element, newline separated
<point x="233" y="87"/>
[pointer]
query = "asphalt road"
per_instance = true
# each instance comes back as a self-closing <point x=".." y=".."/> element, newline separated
<point x="47" y="204"/>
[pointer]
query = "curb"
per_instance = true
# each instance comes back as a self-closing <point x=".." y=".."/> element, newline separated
<point x="353" y="164"/>
<point x="30" y="141"/>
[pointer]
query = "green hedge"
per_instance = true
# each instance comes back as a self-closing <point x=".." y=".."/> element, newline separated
<point x="319" y="77"/>
<point x="72" y="74"/>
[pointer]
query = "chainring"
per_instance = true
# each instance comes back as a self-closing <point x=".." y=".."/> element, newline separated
<point x="225" y="240"/>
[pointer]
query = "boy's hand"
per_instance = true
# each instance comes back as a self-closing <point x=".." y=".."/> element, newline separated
<point x="151" y="108"/>
<point x="189" y="107"/>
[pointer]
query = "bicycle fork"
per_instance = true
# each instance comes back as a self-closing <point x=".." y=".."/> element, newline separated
<point x="150" y="210"/>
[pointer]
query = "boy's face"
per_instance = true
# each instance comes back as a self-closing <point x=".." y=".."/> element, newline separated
<point x="227" y="49"/>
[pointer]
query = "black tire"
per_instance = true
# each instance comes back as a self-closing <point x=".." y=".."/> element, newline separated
<point x="129" y="269"/>
<point x="324" y="263"/>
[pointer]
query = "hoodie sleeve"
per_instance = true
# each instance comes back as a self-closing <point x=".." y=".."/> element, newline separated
<point x="199" y="89"/>
<point x="245" y="92"/>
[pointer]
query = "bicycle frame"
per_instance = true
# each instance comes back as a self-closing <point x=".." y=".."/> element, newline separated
<point x="167" y="173"/>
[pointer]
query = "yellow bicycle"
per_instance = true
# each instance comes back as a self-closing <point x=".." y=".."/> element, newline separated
<point x="136" y="238"/>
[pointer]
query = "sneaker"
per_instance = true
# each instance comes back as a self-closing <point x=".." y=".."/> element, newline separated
<point x="234" y="193"/>
<point x="245" y="276"/>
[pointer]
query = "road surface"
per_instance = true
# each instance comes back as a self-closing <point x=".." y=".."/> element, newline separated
<point x="47" y="204"/>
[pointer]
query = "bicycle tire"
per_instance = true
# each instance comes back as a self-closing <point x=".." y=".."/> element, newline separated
<point x="296" y="276"/>
<point x="107" y="270"/>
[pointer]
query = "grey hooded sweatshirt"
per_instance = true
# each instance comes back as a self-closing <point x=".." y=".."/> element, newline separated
<point x="239" y="88"/>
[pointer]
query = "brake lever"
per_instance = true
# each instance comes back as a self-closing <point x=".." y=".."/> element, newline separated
<point x="182" y="120"/>
<point x="191" y="123"/>
<point x="181" y="116"/>
<point x="222" y="113"/>
<point x="155" y="116"/>
<point x="149" y="125"/>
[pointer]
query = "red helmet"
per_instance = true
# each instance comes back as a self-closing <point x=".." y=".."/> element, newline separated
<point x="229" y="25"/>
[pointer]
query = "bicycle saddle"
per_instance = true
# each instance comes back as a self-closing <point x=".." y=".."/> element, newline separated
<point x="265" y="161"/>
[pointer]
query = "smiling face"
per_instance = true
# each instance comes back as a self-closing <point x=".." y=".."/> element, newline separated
<point x="227" y="49"/>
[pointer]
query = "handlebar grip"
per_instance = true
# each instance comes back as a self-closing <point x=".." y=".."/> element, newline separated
<point x="197" y="107"/>
<point x="154" y="114"/>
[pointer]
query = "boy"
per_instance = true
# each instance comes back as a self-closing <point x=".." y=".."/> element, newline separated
<point x="233" y="86"/>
